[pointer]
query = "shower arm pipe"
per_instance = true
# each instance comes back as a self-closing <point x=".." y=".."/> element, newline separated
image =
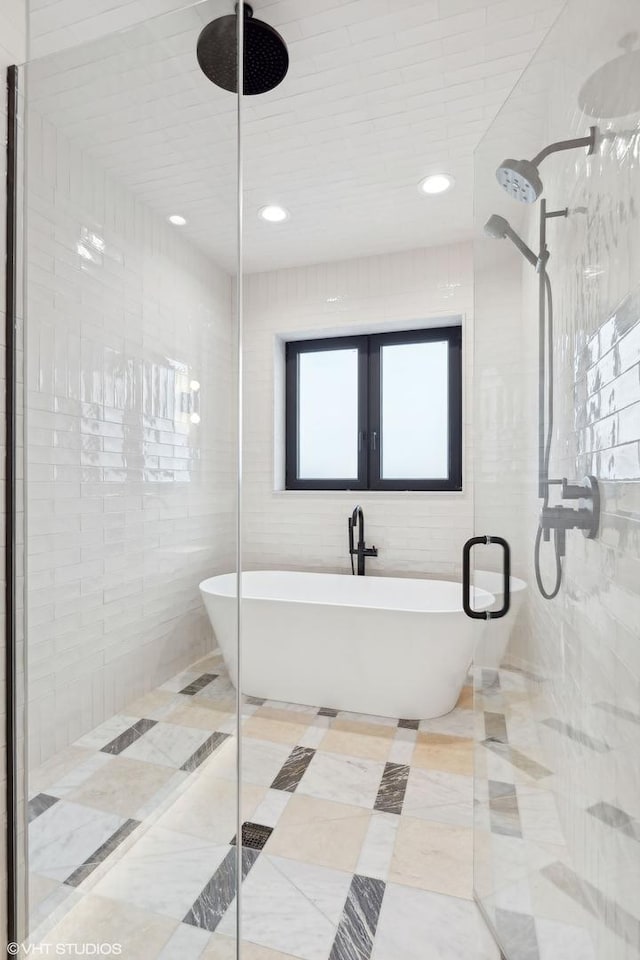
<point x="589" y="142"/>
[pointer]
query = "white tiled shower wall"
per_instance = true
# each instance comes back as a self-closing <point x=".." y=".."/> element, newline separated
<point x="418" y="533"/>
<point x="130" y="502"/>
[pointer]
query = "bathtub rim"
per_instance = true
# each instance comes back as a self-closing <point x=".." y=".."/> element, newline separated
<point x="483" y="599"/>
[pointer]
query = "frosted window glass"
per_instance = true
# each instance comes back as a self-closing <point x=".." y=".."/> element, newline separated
<point x="415" y="411"/>
<point x="328" y="415"/>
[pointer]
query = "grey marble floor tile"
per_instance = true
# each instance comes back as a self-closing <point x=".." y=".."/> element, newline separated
<point x="357" y="929"/>
<point x="128" y="736"/>
<point x="294" y="769"/>
<point x="204" y="750"/>
<point x="195" y="686"/>
<point x="219" y="893"/>
<point x="392" y="788"/>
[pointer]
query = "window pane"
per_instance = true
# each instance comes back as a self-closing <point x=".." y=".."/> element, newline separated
<point x="328" y="415"/>
<point x="415" y="411"/>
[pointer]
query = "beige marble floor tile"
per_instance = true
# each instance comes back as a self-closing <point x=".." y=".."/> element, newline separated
<point x="199" y="714"/>
<point x="58" y="766"/>
<point x="152" y="705"/>
<point x="224" y="948"/>
<point x="439" y="751"/>
<point x="292" y="715"/>
<point x="276" y="730"/>
<point x="355" y="743"/>
<point x="207" y="808"/>
<point x="40" y="888"/>
<point x="465" y="700"/>
<point x="123" y="786"/>
<point x="433" y="856"/>
<point x="377" y="731"/>
<point x="320" y="831"/>
<point x="104" y="921"/>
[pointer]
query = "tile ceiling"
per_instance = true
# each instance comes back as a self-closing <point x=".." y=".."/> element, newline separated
<point x="380" y="93"/>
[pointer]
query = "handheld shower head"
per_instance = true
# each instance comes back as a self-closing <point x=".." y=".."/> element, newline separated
<point x="500" y="229"/>
<point x="496" y="227"/>
<point x="521" y="178"/>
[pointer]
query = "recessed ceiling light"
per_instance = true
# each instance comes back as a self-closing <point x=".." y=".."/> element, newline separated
<point x="436" y="183"/>
<point x="274" y="214"/>
<point x="177" y="220"/>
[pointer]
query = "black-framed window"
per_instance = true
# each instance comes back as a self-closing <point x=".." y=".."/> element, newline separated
<point x="380" y="412"/>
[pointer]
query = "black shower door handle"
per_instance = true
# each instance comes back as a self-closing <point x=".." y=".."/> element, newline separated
<point x="466" y="579"/>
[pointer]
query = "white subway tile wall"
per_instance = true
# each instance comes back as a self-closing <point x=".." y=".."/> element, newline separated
<point x="416" y="533"/>
<point x="131" y="438"/>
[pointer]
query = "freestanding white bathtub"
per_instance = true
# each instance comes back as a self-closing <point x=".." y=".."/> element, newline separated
<point x="376" y="645"/>
<point x="492" y="648"/>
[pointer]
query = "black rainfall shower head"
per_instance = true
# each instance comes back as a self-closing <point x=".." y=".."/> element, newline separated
<point x="500" y="229"/>
<point x="521" y="179"/>
<point x="266" y="59"/>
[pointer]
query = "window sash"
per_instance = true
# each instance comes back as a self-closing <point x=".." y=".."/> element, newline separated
<point x="370" y="411"/>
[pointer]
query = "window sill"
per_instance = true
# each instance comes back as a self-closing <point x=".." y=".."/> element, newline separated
<point x="365" y="495"/>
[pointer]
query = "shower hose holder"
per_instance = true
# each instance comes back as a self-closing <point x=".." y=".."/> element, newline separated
<point x="585" y="517"/>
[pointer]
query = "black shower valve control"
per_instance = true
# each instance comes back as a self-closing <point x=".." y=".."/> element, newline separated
<point x="585" y="517"/>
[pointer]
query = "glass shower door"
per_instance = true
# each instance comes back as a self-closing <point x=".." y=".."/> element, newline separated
<point x="557" y="862"/>
<point x="131" y="361"/>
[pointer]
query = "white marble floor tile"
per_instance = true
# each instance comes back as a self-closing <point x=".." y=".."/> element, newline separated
<point x="557" y="940"/>
<point x="352" y="780"/>
<point x="220" y="689"/>
<point x="167" y="744"/>
<point x="164" y="872"/>
<point x="458" y="723"/>
<point x="314" y="735"/>
<point x="261" y="760"/>
<point x="186" y="943"/>
<point x="65" y="835"/>
<point x="418" y="925"/>
<point x="291" y="906"/>
<point x="377" y="849"/>
<point x="401" y="751"/>
<point x="439" y="795"/>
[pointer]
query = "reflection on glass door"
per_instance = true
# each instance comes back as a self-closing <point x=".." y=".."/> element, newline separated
<point x="556" y="389"/>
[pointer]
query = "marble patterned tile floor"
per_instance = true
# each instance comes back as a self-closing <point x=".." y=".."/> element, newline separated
<point x="357" y="837"/>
